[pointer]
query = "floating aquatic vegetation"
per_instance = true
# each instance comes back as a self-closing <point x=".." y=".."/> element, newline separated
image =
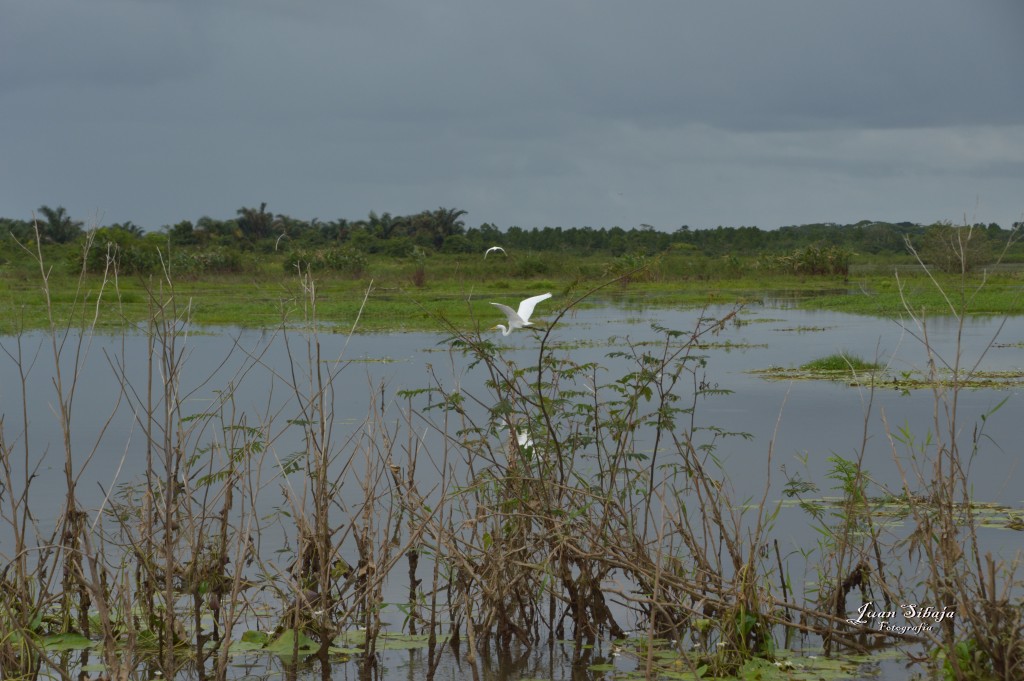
<point x="673" y="660"/>
<point x="804" y="329"/>
<point x="743" y="321"/>
<point x="987" y="514"/>
<point x="904" y="381"/>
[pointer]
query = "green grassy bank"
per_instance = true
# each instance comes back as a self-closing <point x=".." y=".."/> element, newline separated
<point x="419" y="294"/>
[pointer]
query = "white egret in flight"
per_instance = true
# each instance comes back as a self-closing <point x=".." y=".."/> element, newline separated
<point x="494" y="248"/>
<point x="521" y="318"/>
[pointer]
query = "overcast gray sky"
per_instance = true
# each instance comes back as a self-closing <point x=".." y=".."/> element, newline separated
<point x="529" y="113"/>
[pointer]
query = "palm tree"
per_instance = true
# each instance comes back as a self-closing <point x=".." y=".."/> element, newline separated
<point x="336" y="230"/>
<point x="58" y="227"/>
<point x="447" y="223"/>
<point x="387" y="226"/>
<point x="185" y="233"/>
<point x="435" y="226"/>
<point x="129" y="227"/>
<point x="256" y="224"/>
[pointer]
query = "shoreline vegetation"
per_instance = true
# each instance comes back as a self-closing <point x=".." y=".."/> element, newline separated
<point x="428" y="271"/>
<point x="459" y="292"/>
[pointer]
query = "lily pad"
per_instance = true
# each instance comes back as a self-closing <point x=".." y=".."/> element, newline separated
<point x="354" y="642"/>
<point x="66" y="642"/>
<point x="604" y="667"/>
<point x="285" y="644"/>
<point x="250" y="641"/>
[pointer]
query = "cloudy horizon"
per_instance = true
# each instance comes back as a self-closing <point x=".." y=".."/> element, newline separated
<point x="554" y="113"/>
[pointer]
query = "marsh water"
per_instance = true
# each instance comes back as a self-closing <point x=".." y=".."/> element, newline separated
<point x="794" y="426"/>
<point x="802" y="421"/>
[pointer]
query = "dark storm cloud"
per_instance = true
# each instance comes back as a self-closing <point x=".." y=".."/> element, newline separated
<point x="761" y="66"/>
<point x="97" y="44"/>
<point x="536" y="112"/>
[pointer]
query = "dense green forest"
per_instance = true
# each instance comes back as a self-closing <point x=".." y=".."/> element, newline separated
<point x="212" y="245"/>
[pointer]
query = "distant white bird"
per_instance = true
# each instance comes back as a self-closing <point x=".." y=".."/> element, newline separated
<point x="526" y="443"/>
<point x="521" y="318"/>
<point x="494" y="248"/>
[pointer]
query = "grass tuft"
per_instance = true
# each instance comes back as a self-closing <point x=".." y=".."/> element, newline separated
<point x="841" y="361"/>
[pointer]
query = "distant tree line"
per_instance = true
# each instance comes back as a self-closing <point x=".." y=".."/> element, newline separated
<point x="210" y="244"/>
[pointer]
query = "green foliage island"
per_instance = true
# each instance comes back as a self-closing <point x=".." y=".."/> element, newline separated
<point x="414" y="272"/>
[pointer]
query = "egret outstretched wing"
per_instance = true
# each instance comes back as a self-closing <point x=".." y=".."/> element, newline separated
<point x="526" y="307"/>
<point x="514" y="320"/>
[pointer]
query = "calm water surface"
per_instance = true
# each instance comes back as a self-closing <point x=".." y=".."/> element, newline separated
<point x="795" y="426"/>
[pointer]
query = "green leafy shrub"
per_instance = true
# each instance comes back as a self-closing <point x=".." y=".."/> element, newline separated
<point x="813" y="259"/>
<point x="457" y="243"/>
<point x="218" y="260"/>
<point x="634" y="267"/>
<point x="954" y="249"/>
<point x="532" y="266"/>
<point x="340" y="259"/>
<point x="123" y="250"/>
<point x="397" y="247"/>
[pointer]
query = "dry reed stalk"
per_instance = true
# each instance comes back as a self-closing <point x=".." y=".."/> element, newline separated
<point x="986" y="634"/>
